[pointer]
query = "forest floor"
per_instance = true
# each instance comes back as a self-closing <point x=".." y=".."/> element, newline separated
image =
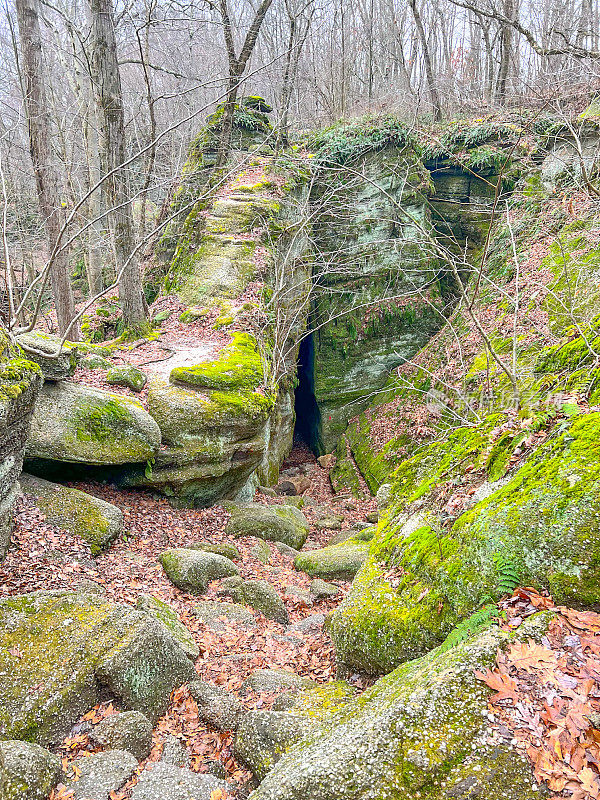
<point x="46" y="557"/>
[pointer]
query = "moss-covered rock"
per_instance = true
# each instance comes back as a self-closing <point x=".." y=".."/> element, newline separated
<point x="239" y="367"/>
<point x="218" y="615"/>
<point x="420" y="732"/>
<point x="76" y="423"/>
<point x="60" y="651"/>
<point x="42" y="347"/>
<point x="192" y="570"/>
<point x="538" y="526"/>
<point x="259" y="595"/>
<point x="127" y="730"/>
<point x="96" y="521"/>
<point x="264" y="736"/>
<point x="166" y="616"/>
<point x="227" y="549"/>
<point x="334" y="561"/>
<point x="127" y="376"/>
<point x="276" y="523"/>
<point x="20" y="381"/>
<point x="30" y="771"/>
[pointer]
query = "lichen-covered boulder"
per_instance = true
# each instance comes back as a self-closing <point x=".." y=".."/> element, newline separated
<point x="99" y="775"/>
<point x="227" y="549"/>
<point x="192" y="570"/>
<point x="166" y="616"/>
<point x="77" y="423"/>
<point x="273" y="523"/>
<point x="260" y="595"/>
<point x="61" y="651"/>
<point x="128" y="376"/>
<point x="538" y="526"/>
<point x="420" y="732"/>
<point x="216" y="707"/>
<point x="41" y="348"/>
<point x="30" y="771"/>
<point x="218" y="615"/>
<point x="127" y="730"/>
<point x="20" y="381"/>
<point x="264" y="736"/>
<point x="334" y="561"/>
<point x="96" y="521"/>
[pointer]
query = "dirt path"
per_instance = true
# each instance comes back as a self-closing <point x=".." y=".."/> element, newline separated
<point x="46" y="557"/>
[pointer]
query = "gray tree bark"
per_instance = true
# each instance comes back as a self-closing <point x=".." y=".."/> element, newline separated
<point x="109" y="100"/>
<point x="46" y="175"/>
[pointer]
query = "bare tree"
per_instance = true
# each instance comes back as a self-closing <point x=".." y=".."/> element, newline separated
<point x="237" y="67"/>
<point x="40" y="147"/>
<point x="109" y="99"/>
<point x="435" y="97"/>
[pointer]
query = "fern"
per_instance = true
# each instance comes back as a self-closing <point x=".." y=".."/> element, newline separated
<point x="481" y="619"/>
<point x="508" y="573"/>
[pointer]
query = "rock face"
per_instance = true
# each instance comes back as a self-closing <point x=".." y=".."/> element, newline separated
<point x="374" y="240"/>
<point x="20" y="381"/>
<point x="421" y="731"/>
<point x="192" y="570"/>
<point x="536" y="527"/>
<point x="334" y="561"/>
<point x="215" y="706"/>
<point x="76" y="423"/>
<point x="30" y="771"/>
<point x="68" y="645"/>
<point x="272" y="523"/>
<point x="96" y="521"/>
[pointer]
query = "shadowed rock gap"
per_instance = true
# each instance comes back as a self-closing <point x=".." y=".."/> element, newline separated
<point x="305" y="404"/>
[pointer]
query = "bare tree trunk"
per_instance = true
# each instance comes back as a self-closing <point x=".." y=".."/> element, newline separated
<point x="237" y="67"/>
<point x="46" y="174"/>
<point x="109" y="100"/>
<point x="506" y="50"/>
<point x="433" y="92"/>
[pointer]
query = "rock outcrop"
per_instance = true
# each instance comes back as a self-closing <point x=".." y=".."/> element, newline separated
<point x="20" y="381"/>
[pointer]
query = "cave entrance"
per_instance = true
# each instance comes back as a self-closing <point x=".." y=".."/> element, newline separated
<point x="305" y="406"/>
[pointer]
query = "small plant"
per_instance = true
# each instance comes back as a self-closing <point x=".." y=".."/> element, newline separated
<point x="508" y="573"/>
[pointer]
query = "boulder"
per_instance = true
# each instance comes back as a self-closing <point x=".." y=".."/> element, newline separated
<point x="275" y="680"/>
<point x="361" y="534"/>
<point x="61" y="651"/>
<point x="128" y="376"/>
<point x="216" y="707"/>
<point x="321" y="589"/>
<point x="383" y="496"/>
<point x="293" y="486"/>
<point x="309" y="625"/>
<point x="264" y="736"/>
<point x="260" y="595"/>
<point x="95" y="361"/>
<point x="227" y="549"/>
<point x="329" y="524"/>
<point x="77" y="423"/>
<point x="286" y="550"/>
<point x="261" y="551"/>
<point x="96" y="521"/>
<point x="218" y="615"/>
<point x="421" y="731"/>
<point x="176" y="783"/>
<point x="128" y="730"/>
<point x="20" y="381"/>
<point x="40" y="348"/>
<point x="272" y="523"/>
<point x="335" y="561"/>
<point x="174" y="753"/>
<point x="168" y="618"/>
<point x="97" y="775"/>
<point x="192" y="570"/>
<point x="30" y="772"/>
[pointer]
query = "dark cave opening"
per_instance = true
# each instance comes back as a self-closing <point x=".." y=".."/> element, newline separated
<point x="305" y="405"/>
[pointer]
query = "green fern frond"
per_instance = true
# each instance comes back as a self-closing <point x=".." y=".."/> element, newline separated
<point x="481" y="619"/>
<point x="508" y="573"/>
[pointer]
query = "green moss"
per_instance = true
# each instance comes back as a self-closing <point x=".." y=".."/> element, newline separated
<point x="99" y="420"/>
<point x="239" y="367"/>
